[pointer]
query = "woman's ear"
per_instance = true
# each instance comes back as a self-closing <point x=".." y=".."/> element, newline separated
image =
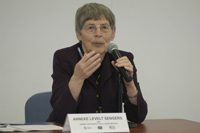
<point x="78" y="36"/>
<point x="113" y="35"/>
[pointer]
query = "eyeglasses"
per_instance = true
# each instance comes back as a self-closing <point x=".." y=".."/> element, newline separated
<point x="91" y="28"/>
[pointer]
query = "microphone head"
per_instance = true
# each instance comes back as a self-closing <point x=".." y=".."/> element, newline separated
<point x="111" y="47"/>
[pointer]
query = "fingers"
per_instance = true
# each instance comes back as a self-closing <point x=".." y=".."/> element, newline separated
<point x="124" y="62"/>
<point x="92" y="64"/>
<point x="92" y="59"/>
<point x="87" y="56"/>
<point x="88" y="64"/>
<point x="113" y="63"/>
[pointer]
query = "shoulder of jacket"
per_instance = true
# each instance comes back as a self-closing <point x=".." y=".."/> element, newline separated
<point x="67" y="49"/>
<point x="125" y="53"/>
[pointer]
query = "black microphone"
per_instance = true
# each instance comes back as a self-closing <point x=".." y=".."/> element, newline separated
<point x="113" y="50"/>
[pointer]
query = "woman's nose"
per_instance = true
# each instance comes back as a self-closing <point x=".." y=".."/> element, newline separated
<point x="98" y="31"/>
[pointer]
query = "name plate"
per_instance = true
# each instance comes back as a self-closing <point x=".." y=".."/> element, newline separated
<point x="96" y="123"/>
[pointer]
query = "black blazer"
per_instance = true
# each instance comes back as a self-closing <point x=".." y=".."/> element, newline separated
<point x="91" y="96"/>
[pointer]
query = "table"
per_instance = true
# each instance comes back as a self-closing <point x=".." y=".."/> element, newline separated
<point x="153" y="126"/>
<point x="167" y="126"/>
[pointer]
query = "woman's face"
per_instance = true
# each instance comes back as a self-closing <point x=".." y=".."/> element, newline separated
<point x="96" y="41"/>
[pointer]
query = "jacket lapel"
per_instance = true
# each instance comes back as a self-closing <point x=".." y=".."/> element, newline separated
<point x="106" y="70"/>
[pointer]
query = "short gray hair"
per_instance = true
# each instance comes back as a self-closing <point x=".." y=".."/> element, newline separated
<point x="93" y="11"/>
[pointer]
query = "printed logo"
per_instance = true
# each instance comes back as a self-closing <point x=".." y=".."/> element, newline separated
<point x="112" y="127"/>
<point x="87" y="128"/>
<point x="100" y="127"/>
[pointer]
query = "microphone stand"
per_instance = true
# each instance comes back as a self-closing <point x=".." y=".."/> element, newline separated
<point x="120" y="93"/>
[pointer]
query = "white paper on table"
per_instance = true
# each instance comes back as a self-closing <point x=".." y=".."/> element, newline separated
<point x="31" y="128"/>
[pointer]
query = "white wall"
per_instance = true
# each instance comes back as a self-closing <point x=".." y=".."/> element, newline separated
<point x="163" y="35"/>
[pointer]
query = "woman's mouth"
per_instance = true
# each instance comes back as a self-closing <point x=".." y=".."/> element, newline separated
<point x="97" y="43"/>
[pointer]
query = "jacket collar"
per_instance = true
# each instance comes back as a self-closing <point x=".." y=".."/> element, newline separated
<point x="107" y="70"/>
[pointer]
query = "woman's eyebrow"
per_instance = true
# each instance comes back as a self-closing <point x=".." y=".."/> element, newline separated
<point x="100" y="24"/>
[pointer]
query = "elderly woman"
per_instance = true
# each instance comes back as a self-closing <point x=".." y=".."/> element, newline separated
<point x="87" y="83"/>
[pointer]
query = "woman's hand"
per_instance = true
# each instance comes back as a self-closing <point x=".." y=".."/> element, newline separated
<point x="83" y="69"/>
<point x="87" y="65"/>
<point x="124" y="62"/>
<point x="130" y="86"/>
